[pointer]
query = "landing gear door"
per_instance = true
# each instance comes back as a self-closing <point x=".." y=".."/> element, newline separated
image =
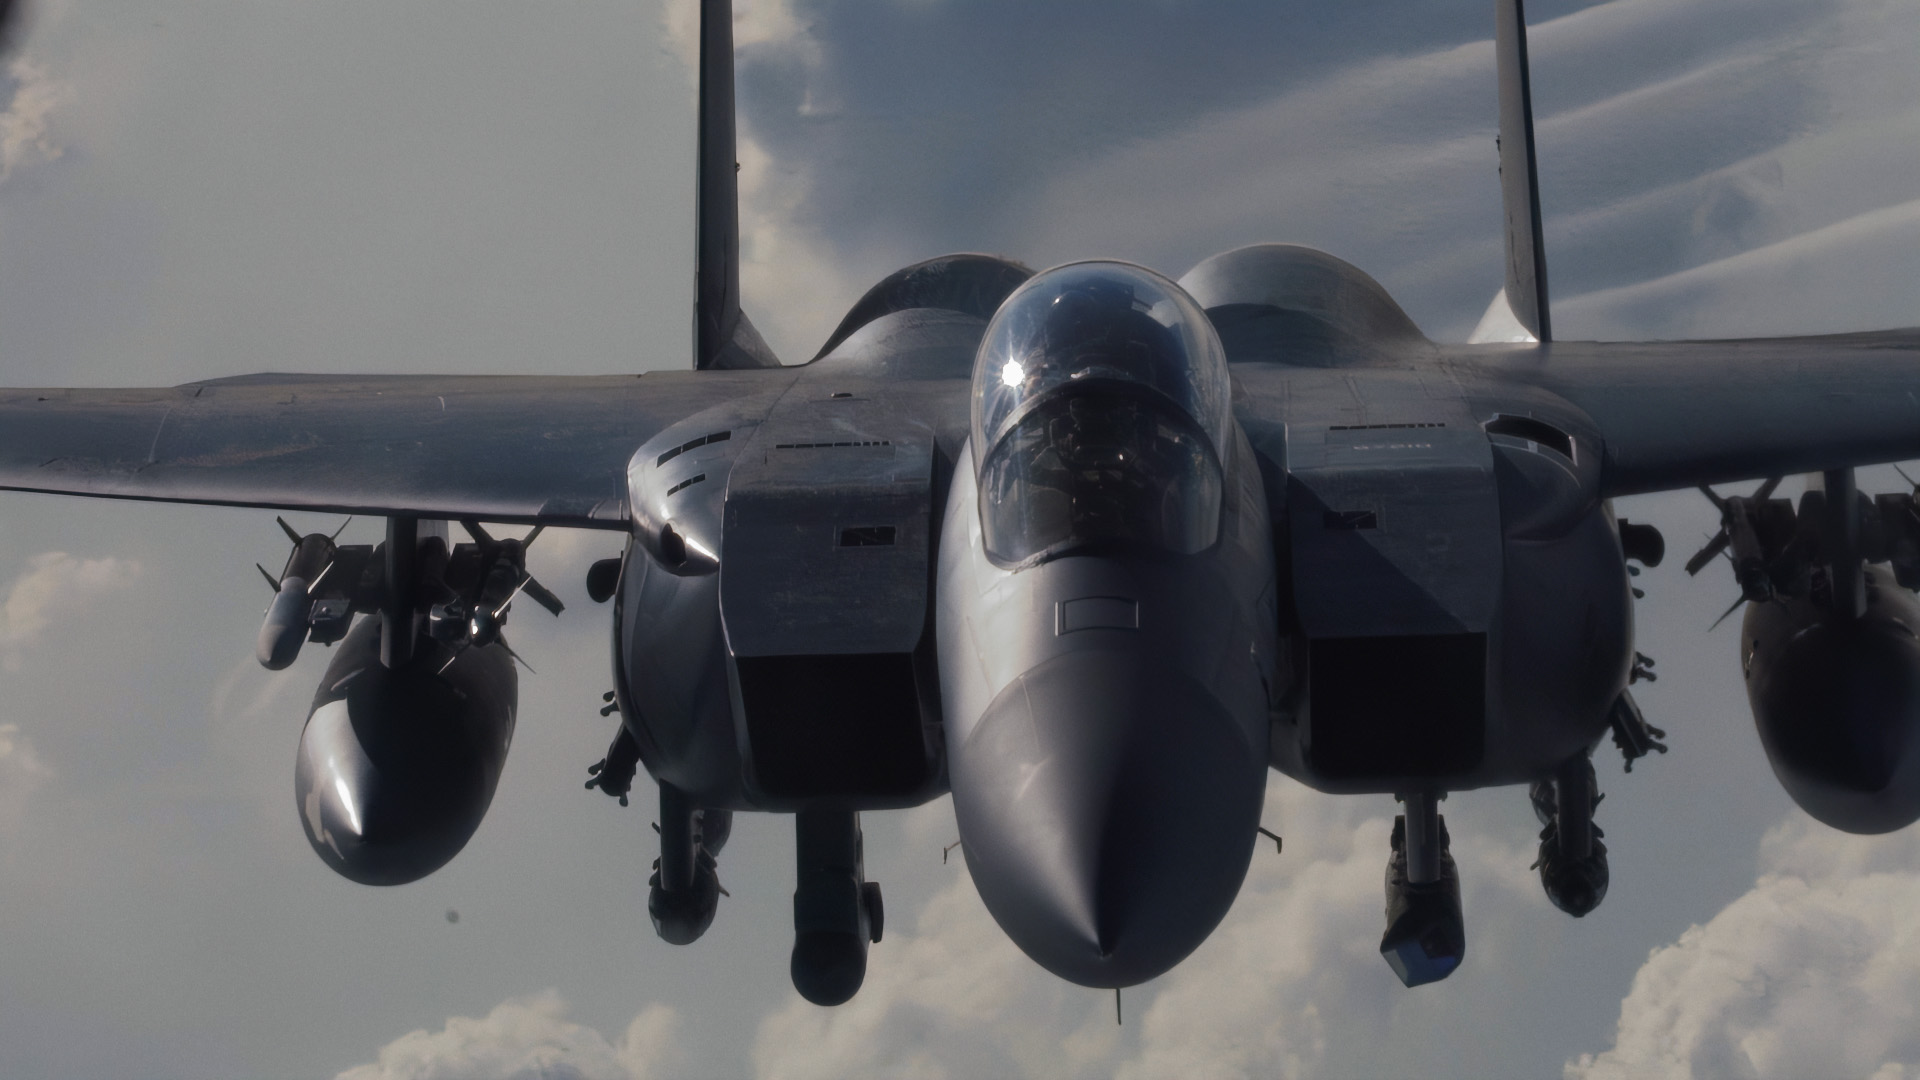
<point x="827" y="527"/>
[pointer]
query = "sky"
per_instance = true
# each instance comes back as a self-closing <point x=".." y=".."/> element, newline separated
<point x="199" y="188"/>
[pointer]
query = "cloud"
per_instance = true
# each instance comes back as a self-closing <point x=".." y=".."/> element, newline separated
<point x="1389" y="162"/>
<point x="26" y="134"/>
<point x="21" y="772"/>
<point x="1291" y="984"/>
<point x="55" y="583"/>
<point x="945" y="118"/>
<point x="951" y="997"/>
<point x="1302" y="937"/>
<point x="1739" y="124"/>
<point x="529" y="1039"/>
<point x="1814" y="972"/>
<point x="1745" y="290"/>
<point x="793" y="285"/>
<point x="756" y="23"/>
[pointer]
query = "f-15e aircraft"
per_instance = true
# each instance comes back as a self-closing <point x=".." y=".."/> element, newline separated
<point x="1092" y="549"/>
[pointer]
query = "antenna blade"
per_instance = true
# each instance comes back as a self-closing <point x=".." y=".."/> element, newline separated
<point x="1519" y="175"/>
<point x="521" y="660"/>
<point x="1724" y="614"/>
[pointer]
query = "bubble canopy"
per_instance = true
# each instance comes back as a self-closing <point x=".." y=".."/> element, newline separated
<point x="1099" y="320"/>
<point x="1100" y="402"/>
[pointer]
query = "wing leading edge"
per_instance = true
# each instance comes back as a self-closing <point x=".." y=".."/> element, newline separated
<point x="554" y="449"/>
<point x="1677" y="414"/>
<point x="520" y="449"/>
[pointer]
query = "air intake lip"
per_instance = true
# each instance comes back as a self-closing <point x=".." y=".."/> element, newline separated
<point x="1532" y="430"/>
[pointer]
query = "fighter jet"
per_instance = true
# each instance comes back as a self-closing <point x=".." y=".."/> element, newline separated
<point x="1092" y="549"/>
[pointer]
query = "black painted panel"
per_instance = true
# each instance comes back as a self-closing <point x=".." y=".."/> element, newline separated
<point x="834" y="726"/>
<point x="1397" y="706"/>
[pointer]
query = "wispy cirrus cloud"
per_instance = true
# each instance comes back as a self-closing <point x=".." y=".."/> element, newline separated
<point x="1736" y="126"/>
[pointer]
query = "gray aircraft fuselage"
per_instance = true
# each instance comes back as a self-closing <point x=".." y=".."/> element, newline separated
<point x="1413" y="587"/>
<point x="1089" y="549"/>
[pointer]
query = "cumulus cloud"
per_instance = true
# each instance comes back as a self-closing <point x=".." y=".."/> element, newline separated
<point x="1292" y="983"/>
<point x="54" y="582"/>
<point x="755" y="23"/>
<point x="1814" y="972"/>
<point x="21" y="772"/>
<point x="952" y="997"/>
<point x="26" y="134"/>
<point x="529" y="1038"/>
<point x="792" y="283"/>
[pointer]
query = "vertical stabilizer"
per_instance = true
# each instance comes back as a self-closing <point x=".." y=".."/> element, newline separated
<point x="722" y="335"/>
<point x="1519" y="177"/>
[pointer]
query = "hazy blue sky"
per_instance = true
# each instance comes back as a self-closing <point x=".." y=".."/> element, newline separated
<point x="190" y="189"/>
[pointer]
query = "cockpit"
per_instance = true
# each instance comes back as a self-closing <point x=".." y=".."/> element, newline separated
<point x="1100" y="404"/>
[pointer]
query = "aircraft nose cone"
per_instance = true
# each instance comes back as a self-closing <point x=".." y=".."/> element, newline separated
<point x="1107" y="810"/>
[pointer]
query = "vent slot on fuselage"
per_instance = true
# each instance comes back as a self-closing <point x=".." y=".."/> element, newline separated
<point x="692" y="444"/>
<point x="1406" y="706"/>
<point x="868" y="536"/>
<point x="1350" y="520"/>
<point x="1534" y="431"/>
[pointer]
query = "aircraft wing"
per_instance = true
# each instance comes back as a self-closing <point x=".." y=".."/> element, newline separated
<point x="516" y="449"/>
<point x="1677" y="414"/>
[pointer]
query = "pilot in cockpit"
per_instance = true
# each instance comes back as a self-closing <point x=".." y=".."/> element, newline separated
<point x="1090" y="388"/>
